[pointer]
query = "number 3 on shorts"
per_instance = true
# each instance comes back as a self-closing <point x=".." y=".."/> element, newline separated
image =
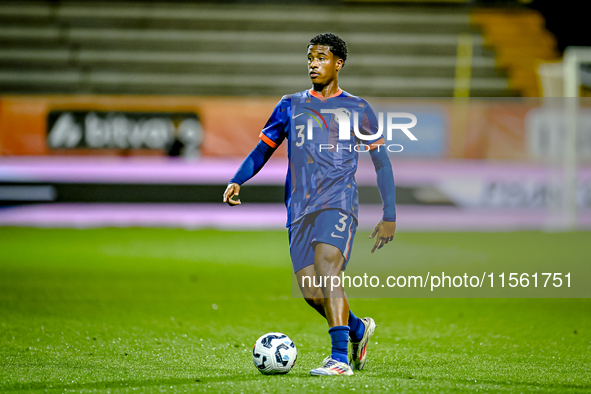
<point x="342" y="221"/>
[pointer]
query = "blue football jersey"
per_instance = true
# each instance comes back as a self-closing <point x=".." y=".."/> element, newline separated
<point x="325" y="136"/>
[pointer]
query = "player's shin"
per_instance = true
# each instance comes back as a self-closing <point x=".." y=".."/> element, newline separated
<point x="356" y="327"/>
<point x="316" y="303"/>
<point x="339" y="337"/>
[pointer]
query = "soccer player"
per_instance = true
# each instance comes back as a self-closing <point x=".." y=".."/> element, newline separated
<point x="321" y="193"/>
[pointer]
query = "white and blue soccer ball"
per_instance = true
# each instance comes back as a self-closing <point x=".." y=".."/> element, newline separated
<point x="274" y="354"/>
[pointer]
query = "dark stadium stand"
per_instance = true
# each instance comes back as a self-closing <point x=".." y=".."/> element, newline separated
<point x="204" y="49"/>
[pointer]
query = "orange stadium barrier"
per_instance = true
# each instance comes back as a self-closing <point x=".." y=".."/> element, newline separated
<point x="230" y="125"/>
<point x="521" y="43"/>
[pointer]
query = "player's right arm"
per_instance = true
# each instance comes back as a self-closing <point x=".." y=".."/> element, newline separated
<point x="271" y="137"/>
<point x="249" y="168"/>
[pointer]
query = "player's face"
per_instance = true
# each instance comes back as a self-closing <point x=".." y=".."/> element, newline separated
<point x="323" y="66"/>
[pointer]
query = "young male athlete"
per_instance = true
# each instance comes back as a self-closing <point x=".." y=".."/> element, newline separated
<point x="321" y="192"/>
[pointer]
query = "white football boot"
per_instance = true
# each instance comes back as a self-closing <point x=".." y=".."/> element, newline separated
<point x="332" y="367"/>
<point x="358" y="353"/>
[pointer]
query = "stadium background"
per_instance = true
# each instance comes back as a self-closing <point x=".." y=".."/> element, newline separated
<point x="122" y="122"/>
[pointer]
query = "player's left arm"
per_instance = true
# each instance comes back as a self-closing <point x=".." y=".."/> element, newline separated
<point x="384" y="231"/>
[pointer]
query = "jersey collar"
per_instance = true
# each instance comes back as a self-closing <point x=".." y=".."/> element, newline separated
<point x="321" y="97"/>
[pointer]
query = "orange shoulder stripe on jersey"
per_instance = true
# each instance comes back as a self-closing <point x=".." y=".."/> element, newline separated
<point x="267" y="140"/>
<point x="376" y="144"/>
<point x="318" y="95"/>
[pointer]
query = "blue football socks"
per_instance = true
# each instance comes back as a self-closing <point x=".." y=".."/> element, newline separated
<point x="356" y="327"/>
<point x="339" y="336"/>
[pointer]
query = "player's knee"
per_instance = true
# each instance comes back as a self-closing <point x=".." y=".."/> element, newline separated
<point x="314" y="301"/>
<point x="329" y="260"/>
<point x="311" y="293"/>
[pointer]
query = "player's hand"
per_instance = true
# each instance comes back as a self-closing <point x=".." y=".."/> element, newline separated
<point x="385" y="233"/>
<point x="231" y="194"/>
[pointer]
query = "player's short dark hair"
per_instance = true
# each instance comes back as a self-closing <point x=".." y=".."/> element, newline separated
<point x="338" y="47"/>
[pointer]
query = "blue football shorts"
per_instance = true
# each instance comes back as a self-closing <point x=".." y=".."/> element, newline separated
<point x="330" y="226"/>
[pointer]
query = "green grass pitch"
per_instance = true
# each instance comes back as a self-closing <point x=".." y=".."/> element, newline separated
<point x="156" y="310"/>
